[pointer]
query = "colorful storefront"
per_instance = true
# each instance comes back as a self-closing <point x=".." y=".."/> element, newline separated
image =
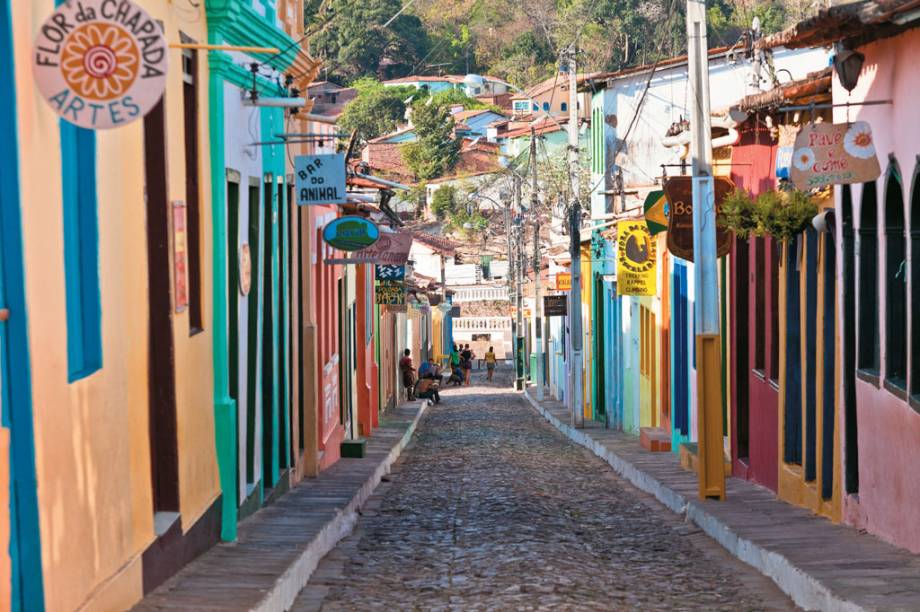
<point x="114" y="333"/>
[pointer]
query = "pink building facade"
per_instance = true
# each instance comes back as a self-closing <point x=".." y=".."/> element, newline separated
<point x="878" y="229"/>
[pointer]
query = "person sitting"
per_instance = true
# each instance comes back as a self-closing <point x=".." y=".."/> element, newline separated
<point x="426" y="388"/>
<point x="433" y="371"/>
<point x="456" y="376"/>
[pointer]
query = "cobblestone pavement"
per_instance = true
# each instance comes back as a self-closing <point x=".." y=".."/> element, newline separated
<point x="492" y="508"/>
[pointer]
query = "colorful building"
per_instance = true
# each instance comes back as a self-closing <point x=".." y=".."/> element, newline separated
<point x="868" y="322"/>
<point x="112" y="336"/>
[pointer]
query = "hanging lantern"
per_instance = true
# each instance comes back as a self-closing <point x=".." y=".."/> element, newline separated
<point x="848" y="65"/>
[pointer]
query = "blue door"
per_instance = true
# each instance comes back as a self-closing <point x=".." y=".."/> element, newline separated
<point x="15" y="377"/>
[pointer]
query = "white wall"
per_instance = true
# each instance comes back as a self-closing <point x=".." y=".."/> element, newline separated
<point x="247" y="160"/>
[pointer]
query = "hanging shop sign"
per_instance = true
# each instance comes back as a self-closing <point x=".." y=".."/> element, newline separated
<point x="392" y="248"/>
<point x="656" y="212"/>
<point x="351" y="233"/>
<point x="834" y="154"/>
<point x="636" y="260"/>
<point x="390" y="292"/>
<point x="563" y="281"/>
<point x="245" y="274"/>
<point x="555" y="305"/>
<point x="180" y="255"/>
<point x="384" y="272"/>
<point x="679" y="192"/>
<point x="319" y="179"/>
<point x="100" y="63"/>
<point x="396" y="308"/>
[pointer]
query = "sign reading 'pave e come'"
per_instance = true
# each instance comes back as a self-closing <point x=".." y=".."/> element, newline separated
<point x="319" y="179"/>
<point x="100" y="63"/>
<point x="834" y="154"/>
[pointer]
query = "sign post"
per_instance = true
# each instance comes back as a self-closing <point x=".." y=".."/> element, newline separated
<point x="351" y="233"/>
<point x="711" y="476"/>
<point x="319" y="179"/>
<point x="679" y="193"/>
<point x="100" y="64"/>
<point x="834" y="154"/>
<point x="636" y="259"/>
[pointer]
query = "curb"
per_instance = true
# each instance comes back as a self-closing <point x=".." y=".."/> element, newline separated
<point x="296" y="576"/>
<point x="805" y="590"/>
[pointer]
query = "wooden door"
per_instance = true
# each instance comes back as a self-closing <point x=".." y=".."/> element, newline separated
<point x="164" y="460"/>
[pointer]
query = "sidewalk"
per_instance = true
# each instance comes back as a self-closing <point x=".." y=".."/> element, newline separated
<point x="279" y="546"/>
<point x="820" y="565"/>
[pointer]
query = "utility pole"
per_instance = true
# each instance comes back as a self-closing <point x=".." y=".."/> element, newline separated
<point x="576" y="391"/>
<point x="538" y="299"/>
<point x="511" y="296"/>
<point x="519" y="331"/>
<point x="705" y="269"/>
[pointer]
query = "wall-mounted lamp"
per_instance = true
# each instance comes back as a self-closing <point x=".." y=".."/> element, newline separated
<point x="848" y="64"/>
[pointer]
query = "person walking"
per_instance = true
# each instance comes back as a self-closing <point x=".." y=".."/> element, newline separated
<point x="466" y="362"/>
<point x="490" y="362"/>
<point x="408" y="374"/>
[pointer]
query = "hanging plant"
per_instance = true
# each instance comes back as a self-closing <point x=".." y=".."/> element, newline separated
<point x="784" y="215"/>
<point x="781" y="214"/>
<point x="737" y="213"/>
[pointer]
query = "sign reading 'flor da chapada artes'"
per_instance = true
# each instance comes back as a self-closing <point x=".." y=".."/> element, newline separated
<point x="834" y="154"/>
<point x="100" y="63"/>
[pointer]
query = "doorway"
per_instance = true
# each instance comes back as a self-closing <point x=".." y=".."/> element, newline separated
<point x="600" y="377"/>
<point x="164" y="456"/>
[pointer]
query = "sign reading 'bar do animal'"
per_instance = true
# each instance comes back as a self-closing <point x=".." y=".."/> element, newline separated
<point x="320" y="179"/>
<point x="100" y="63"/>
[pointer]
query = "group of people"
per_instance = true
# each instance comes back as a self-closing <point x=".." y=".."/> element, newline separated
<point x="428" y="382"/>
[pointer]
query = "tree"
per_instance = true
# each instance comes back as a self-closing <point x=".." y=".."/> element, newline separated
<point x="352" y="41"/>
<point x="435" y="150"/>
<point x="376" y="110"/>
<point x="452" y="204"/>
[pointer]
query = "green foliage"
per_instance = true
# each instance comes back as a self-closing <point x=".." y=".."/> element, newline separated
<point x="351" y="40"/>
<point x="783" y="215"/>
<point x="376" y="110"/>
<point x="445" y="201"/>
<point x="520" y="42"/>
<point x="451" y="204"/>
<point x="451" y="97"/>
<point x="737" y="213"/>
<point x="435" y="151"/>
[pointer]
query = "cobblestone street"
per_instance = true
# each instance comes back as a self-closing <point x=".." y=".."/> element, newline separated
<point x="490" y="507"/>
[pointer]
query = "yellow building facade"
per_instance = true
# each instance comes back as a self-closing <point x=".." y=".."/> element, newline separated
<point x="123" y="425"/>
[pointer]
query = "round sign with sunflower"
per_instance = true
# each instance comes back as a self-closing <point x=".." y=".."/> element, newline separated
<point x="100" y="63"/>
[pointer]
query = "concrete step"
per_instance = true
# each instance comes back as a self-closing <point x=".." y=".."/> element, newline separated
<point x="655" y="439"/>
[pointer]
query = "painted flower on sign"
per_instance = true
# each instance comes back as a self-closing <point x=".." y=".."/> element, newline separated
<point x="804" y="158"/>
<point x="100" y="61"/>
<point x="858" y="141"/>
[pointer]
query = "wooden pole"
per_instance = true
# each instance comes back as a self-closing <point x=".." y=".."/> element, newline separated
<point x="223" y="48"/>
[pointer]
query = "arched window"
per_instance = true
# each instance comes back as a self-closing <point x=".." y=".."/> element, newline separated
<point x="564" y="107"/>
<point x="546" y="106"/>
<point x="915" y="283"/>
<point x="895" y="280"/>
<point x="868" y="348"/>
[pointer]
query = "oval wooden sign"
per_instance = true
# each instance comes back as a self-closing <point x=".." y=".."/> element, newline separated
<point x="245" y="270"/>
<point x="351" y="233"/>
<point x="100" y="63"/>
